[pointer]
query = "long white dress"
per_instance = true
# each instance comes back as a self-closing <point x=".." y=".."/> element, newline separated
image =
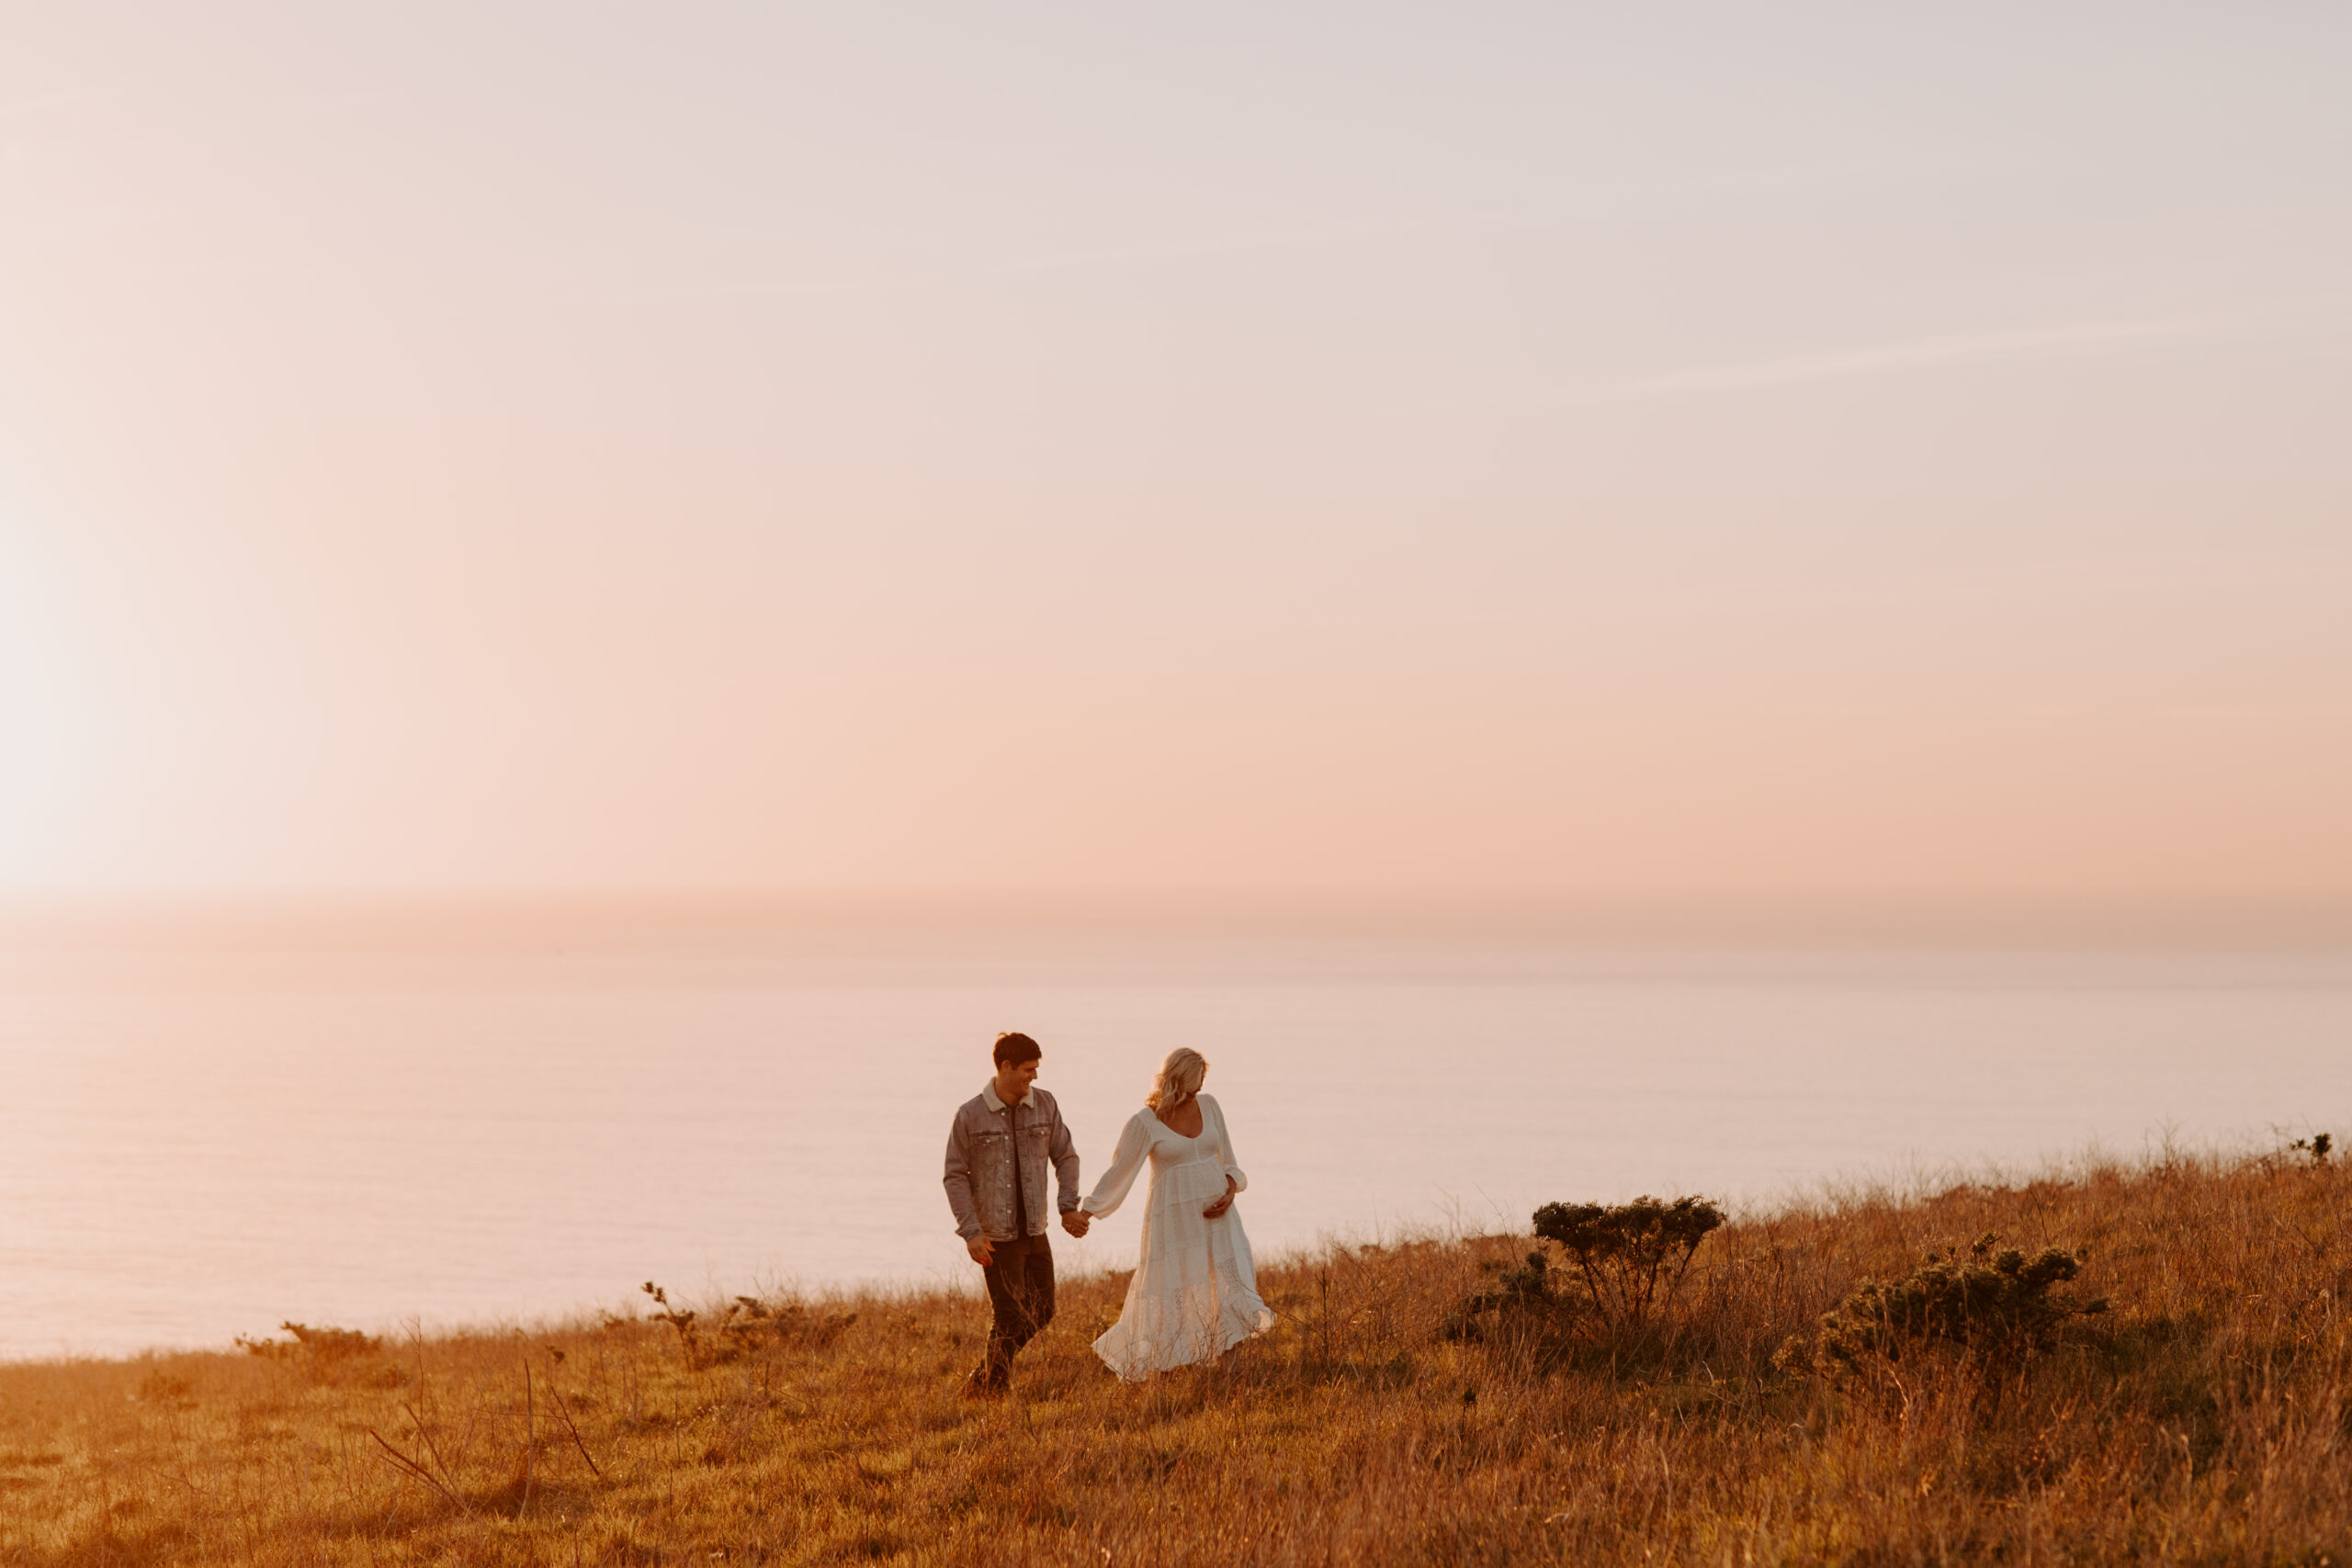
<point x="1194" y="1293"/>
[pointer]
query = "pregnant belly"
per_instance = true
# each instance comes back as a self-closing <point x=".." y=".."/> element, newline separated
<point x="1197" y="1181"/>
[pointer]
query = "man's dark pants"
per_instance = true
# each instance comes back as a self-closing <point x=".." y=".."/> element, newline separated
<point x="1020" y="1296"/>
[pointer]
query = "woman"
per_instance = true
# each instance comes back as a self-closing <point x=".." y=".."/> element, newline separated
<point x="1195" y="1290"/>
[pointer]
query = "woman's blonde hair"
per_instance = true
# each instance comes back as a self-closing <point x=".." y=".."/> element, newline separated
<point x="1179" y="1080"/>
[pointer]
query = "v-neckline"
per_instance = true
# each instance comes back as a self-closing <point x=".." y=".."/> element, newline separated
<point x="1188" y="1137"/>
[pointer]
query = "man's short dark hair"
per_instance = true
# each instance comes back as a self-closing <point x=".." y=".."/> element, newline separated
<point x="1012" y="1048"/>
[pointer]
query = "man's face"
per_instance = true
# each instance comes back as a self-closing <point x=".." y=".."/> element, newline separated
<point x="1014" y="1078"/>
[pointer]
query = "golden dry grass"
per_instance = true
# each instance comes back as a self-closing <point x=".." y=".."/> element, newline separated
<point x="2205" y="1419"/>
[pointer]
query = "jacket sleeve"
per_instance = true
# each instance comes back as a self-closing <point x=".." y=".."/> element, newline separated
<point x="958" y="1179"/>
<point x="1063" y="1151"/>
<point x="1135" y="1143"/>
<point x="1225" y="1142"/>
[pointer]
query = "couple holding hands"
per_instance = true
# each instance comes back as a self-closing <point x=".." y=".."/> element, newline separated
<point x="1194" y="1292"/>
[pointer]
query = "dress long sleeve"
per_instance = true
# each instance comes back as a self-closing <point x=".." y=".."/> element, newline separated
<point x="1225" y="1142"/>
<point x="1134" y="1148"/>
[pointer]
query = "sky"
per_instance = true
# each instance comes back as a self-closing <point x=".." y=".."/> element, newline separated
<point x="1670" y="450"/>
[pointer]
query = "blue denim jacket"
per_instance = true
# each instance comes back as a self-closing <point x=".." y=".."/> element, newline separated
<point x="981" y="1165"/>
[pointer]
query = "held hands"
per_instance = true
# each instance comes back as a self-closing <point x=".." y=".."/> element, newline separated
<point x="983" y="1250"/>
<point x="1222" y="1204"/>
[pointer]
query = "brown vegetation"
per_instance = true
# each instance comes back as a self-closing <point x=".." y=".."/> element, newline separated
<point x="2202" y="1417"/>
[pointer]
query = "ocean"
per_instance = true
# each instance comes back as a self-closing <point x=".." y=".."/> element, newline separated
<point x="211" y="1125"/>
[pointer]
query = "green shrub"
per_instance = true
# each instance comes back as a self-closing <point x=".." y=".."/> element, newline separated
<point x="1628" y="1258"/>
<point x="1626" y="1252"/>
<point x="1998" y="1304"/>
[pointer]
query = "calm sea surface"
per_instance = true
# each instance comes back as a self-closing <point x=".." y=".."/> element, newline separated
<point x="204" y="1132"/>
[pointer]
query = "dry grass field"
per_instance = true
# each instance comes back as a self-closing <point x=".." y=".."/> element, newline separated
<point x="2204" y="1417"/>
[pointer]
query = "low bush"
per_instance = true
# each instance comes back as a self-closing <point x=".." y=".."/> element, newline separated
<point x="1626" y="1251"/>
<point x="2001" y="1304"/>
<point x="1523" y="1305"/>
<point x="1626" y="1263"/>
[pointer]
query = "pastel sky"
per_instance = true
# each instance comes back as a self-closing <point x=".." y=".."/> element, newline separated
<point x="1665" y="448"/>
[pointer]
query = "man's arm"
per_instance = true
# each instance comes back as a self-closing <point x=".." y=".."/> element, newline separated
<point x="958" y="1179"/>
<point x="1063" y="1151"/>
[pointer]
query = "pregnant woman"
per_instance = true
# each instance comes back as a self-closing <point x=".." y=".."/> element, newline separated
<point x="1195" y="1290"/>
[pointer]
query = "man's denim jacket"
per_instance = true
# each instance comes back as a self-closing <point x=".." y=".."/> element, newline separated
<point x="981" y="1162"/>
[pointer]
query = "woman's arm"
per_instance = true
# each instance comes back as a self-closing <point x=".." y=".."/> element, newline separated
<point x="1225" y="1141"/>
<point x="1135" y="1143"/>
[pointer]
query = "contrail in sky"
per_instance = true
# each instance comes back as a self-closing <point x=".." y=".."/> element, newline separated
<point x="1961" y="349"/>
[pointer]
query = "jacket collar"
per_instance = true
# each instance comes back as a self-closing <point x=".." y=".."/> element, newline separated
<point x="995" y="1103"/>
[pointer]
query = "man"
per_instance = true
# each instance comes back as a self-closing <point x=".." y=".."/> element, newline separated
<point x="998" y="1149"/>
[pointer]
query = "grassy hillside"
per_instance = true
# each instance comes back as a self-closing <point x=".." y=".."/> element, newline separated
<point x="2205" y="1417"/>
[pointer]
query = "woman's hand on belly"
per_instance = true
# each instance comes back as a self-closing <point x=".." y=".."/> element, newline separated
<point x="1222" y="1204"/>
